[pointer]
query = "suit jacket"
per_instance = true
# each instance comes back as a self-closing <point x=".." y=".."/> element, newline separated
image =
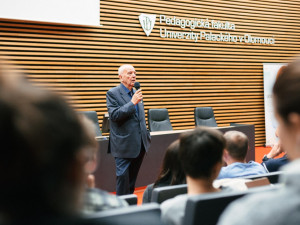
<point x="127" y="130"/>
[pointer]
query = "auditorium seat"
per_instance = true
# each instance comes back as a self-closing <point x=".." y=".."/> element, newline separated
<point x="158" y="120"/>
<point x="160" y="194"/>
<point x="273" y="177"/>
<point x="148" y="214"/>
<point x="204" y="116"/>
<point x="92" y="115"/>
<point x="131" y="199"/>
<point x="207" y="208"/>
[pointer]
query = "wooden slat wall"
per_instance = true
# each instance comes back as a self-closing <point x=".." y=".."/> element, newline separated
<point x="81" y="62"/>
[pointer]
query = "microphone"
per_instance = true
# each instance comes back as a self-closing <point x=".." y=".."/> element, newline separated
<point x="137" y="85"/>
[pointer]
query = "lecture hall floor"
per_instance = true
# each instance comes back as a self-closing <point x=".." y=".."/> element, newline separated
<point x="259" y="154"/>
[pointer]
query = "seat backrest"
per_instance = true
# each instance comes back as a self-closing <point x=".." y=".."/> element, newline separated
<point x="273" y="176"/>
<point x="92" y="115"/>
<point x="158" y="120"/>
<point x="162" y="194"/>
<point x="207" y="208"/>
<point x="130" y="199"/>
<point x="147" y="214"/>
<point x="204" y="116"/>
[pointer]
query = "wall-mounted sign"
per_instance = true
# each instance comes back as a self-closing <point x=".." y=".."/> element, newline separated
<point x="147" y="22"/>
<point x="189" y="30"/>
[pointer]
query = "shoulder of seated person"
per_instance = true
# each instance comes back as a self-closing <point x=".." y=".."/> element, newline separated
<point x="172" y="200"/>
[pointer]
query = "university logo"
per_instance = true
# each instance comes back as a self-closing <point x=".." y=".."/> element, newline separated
<point x="147" y="21"/>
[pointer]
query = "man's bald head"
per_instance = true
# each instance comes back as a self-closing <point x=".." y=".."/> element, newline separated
<point x="236" y="144"/>
<point x="127" y="75"/>
<point x="123" y="68"/>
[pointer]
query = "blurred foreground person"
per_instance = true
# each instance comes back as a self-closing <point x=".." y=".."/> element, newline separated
<point x="283" y="206"/>
<point x="43" y="155"/>
<point x="95" y="199"/>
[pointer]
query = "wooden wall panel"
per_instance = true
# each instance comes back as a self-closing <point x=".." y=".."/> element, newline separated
<point x="81" y="62"/>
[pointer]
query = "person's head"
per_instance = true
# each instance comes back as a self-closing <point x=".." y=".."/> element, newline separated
<point x="127" y="75"/>
<point x="171" y="168"/>
<point x="42" y="157"/>
<point x="236" y="146"/>
<point x="201" y="152"/>
<point x="286" y="93"/>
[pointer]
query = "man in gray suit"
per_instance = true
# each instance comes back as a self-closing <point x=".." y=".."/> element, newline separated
<point x="129" y="138"/>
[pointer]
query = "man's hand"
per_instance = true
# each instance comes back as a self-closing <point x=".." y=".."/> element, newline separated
<point x="275" y="151"/>
<point x="137" y="97"/>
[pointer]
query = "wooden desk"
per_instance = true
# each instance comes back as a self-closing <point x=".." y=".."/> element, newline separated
<point x="105" y="173"/>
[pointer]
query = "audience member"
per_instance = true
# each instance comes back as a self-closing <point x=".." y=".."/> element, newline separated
<point x="235" y="157"/>
<point x="200" y="154"/>
<point x="95" y="199"/>
<point x="282" y="206"/>
<point x="42" y="164"/>
<point x="271" y="163"/>
<point x="171" y="172"/>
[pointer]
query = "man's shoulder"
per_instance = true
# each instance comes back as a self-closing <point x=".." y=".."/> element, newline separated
<point x="252" y="208"/>
<point x="255" y="165"/>
<point x="173" y="202"/>
<point x="114" y="89"/>
<point x="233" y="166"/>
<point x="173" y="209"/>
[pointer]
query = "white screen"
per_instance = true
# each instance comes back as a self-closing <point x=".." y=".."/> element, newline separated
<point x="84" y="12"/>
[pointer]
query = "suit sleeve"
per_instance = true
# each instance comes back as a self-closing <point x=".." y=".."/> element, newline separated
<point x="115" y="110"/>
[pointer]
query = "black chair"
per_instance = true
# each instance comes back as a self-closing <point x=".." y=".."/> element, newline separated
<point x="130" y="199"/>
<point x="148" y="214"/>
<point x="207" y="208"/>
<point x="161" y="194"/>
<point x="272" y="177"/>
<point x="92" y="115"/>
<point x="204" y="116"/>
<point x="158" y="120"/>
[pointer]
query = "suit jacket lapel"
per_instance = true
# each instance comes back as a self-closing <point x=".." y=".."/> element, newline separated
<point x="141" y="109"/>
<point x="124" y="95"/>
<point x="127" y="99"/>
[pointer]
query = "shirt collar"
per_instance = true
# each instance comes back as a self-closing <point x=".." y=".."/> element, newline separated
<point x="125" y="88"/>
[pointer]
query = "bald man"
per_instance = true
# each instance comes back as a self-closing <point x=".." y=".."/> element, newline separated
<point x="235" y="157"/>
<point x="129" y="138"/>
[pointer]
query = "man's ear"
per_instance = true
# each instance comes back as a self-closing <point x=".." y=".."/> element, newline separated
<point x="294" y="120"/>
<point x="225" y="155"/>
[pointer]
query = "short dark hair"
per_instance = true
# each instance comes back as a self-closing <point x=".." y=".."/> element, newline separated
<point x="236" y="144"/>
<point x="200" y="150"/>
<point x="171" y="172"/>
<point x="286" y="90"/>
<point x="41" y="138"/>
